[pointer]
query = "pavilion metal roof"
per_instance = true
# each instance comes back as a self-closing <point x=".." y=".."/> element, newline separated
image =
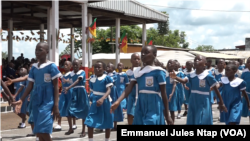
<point x="28" y="15"/>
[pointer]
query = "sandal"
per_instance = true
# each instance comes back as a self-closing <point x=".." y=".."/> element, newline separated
<point x="82" y="135"/>
<point x="68" y="133"/>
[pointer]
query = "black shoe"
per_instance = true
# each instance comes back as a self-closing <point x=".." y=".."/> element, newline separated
<point x="30" y="135"/>
<point x="185" y="113"/>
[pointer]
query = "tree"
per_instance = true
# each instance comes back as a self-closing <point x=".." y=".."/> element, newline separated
<point x="163" y="27"/>
<point x="207" y="48"/>
<point x="4" y="55"/>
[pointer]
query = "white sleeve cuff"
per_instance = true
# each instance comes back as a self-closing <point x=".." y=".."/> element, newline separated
<point x="243" y="89"/>
<point x="91" y="90"/>
<point x="127" y="83"/>
<point x="214" y="84"/>
<point x="56" y="76"/>
<point x="80" y="77"/>
<point x="108" y="85"/>
<point x="132" y="79"/>
<point x="21" y="85"/>
<point x="30" y="79"/>
<point x="162" y="83"/>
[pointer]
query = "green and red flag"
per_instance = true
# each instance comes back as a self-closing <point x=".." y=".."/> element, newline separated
<point x="124" y="45"/>
<point x="150" y="41"/>
<point x="92" y="28"/>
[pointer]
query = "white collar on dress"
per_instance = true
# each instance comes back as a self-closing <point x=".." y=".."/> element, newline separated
<point x="236" y="82"/>
<point x="121" y="73"/>
<point x="217" y="72"/>
<point x="246" y="70"/>
<point x="186" y="72"/>
<point x="138" y="72"/>
<point x="239" y="72"/>
<point x="68" y="73"/>
<point x="73" y="73"/>
<point x="200" y="76"/>
<point x="42" y="65"/>
<point x="93" y="79"/>
<point x="129" y="72"/>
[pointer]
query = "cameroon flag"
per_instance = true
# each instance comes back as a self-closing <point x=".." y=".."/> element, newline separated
<point x="92" y="28"/>
<point x="150" y="41"/>
<point x="124" y="44"/>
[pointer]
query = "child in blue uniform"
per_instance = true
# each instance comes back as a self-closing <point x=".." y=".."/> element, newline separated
<point x="231" y="94"/>
<point x="65" y="98"/>
<point x="122" y="80"/>
<point x="187" y="71"/>
<point x="179" y="89"/>
<point x="118" y="114"/>
<point x="239" y="72"/>
<point x="241" y="66"/>
<point x="218" y="73"/>
<point x="79" y="104"/>
<point x="246" y="77"/>
<point x="200" y="100"/>
<point x="211" y="70"/>
<point x="45" y="75"/>
<point x="20" y="88"/>
<point x="99" y="115"/>
<point x="131" y="99"/>
<point x="152" y="98"/>
<point x="171" y="89"/>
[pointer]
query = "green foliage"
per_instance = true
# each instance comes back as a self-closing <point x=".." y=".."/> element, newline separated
<point x="160" y="36"/>
<point x="4" y="55"/>
<point x="207" y="48"/>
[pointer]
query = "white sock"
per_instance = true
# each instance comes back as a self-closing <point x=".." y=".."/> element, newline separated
<point x="91" y="139"/>
<point x="106" y="139"/>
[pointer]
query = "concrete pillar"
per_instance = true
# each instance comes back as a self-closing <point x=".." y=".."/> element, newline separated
<point x="247" y="44"/>
<point x="41" y="30"/>
<point x="49" y="33"/>
<point x="1" y="38"/>
<point x="117" y="36"/>
<point x="10" y="40"/>
<point x="55" y="30"/>
<point x="72" y="48"/>
<point x="84" y="37"/>
<point x="144" y="33"/>
<point x="89" y="44"/>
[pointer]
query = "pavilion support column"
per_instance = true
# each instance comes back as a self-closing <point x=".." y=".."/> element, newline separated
<point x="72" y="47"/>
<point x="10" y="40"/>
<point x="144" y="34"/>
<point x="89" y="44"/>
<point x="117" y="36"/>
<point x="84" y="38"/>
<point x="1" y="38"/>
<point x="41" y="31"/>
<point x="49" y="31"/>
<point x="55" y="32"/>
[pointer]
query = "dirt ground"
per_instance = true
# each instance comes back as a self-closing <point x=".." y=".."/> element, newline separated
<point x="12" y="120"/>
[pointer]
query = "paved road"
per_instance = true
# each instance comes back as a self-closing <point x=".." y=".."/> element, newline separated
<point x="9" y="122"/>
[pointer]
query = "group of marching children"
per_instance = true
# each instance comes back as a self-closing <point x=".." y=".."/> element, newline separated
<point x="151" y="94"/>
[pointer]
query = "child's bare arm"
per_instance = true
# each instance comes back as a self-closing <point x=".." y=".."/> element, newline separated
<point x="246" y="97"/>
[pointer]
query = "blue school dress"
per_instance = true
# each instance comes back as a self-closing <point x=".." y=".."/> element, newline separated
<point x="100" y="117"/>
<point x="218" y="76"/>
<point x="149" y="107"/>
<point x="180" y="90"/>
<point x="242" y="67"/>
<point x="211" y="71"/>
<point x="132" y="98"/>
<point x="122" y="81"/>
<point x="31" y="120"/>
<point x="169" y="88"/>
<point x="200" y="108"/>
<point x="246" y="77"/>
<point x="118" y="113"/>
<point x="231" y="95"/>
<point x="91" y="92"/>
<point x="43" y="96"/>
<point x="17" y="86"/>
<point x="79" y="105"/>
<point x="187" y="92"/>
<point x="65" y="99"/>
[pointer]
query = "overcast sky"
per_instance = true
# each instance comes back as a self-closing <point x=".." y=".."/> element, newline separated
<point x="219" y="29"/>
